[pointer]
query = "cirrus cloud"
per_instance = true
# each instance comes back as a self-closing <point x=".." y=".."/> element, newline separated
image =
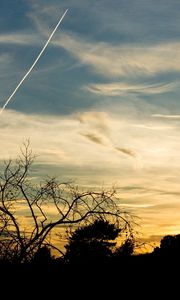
<point x="93" y="137"/>
<point x="122" y="60"/>
<point x="169" y="117"/>
<point x="118" y="88"/>
<point x="126" y="151"/>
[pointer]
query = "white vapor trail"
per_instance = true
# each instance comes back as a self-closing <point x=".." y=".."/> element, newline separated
<point x="34" y="63"/>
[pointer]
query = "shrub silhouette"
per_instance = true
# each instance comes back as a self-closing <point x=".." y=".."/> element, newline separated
<point x="126" y="249"/>
<point x="43" y="256"/>
<point x="169" y="246"/>
<point x="93" y="242"/>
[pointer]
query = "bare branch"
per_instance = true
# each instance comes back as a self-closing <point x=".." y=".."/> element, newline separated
<point x="49" y="205"/>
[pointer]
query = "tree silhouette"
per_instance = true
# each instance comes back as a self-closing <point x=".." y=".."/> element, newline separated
<point x="169" y="245"/>
<point x="93" y="242"/>
<point x="127" y="247"/>
<point x="43" y="256"/>
<point x="69" y="204"/>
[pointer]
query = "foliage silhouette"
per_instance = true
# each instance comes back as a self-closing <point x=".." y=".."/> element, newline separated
<point x="169" y="246"/>
<point x="43" y="256"/>
<point x="127" y="248"/>
<point x="96" y="243"/>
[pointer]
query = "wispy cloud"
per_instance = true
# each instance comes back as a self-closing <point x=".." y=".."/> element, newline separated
<point x="169" y="117"/>
<point x="126" y="151"/>
<point x="20" y="39"/>
<point x="65" y="144"/>
<point x="95" y="126"/>
<point x="95" y="119"/>
<point x="115" y="60"/>
<point x="99" y="122"/>
<point x="93" y="137"/>
<point x="154" y="126"/>
<point x="117" y="88"/>
<point x="5" y="59"/>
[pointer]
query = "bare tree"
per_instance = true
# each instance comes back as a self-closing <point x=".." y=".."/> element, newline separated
<point x="47" y="205"/>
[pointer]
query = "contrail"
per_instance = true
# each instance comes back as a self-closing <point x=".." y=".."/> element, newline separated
<point x="34" y="63"/>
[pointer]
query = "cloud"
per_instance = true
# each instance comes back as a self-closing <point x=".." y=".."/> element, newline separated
<point x="169" y="117"/>
<point x="4" y="58"/>
<point x="112" y="60"/>
<point x="19" y="39"/>
<point x="121" y="60"/>
<point x="154" y="126"/>
<point x="100" y="123"/>
<point x="15" y="127"/>
<point x="126" y="151"/>
<point x="63" y="143"/>
<point x="93" y="137"/>
<point x="95" y="119"/>
<point x="6" y="62"/>
<point x="117" y="88"/>
<point x="108" y="143"/>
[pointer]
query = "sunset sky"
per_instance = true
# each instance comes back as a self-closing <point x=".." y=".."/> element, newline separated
<point x="102" y="106"/>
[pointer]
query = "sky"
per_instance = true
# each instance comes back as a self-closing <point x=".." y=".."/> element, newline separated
<point x="101" y="106"/>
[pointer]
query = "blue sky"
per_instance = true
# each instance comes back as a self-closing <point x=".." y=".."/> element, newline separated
<point x="102" y="104"/>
